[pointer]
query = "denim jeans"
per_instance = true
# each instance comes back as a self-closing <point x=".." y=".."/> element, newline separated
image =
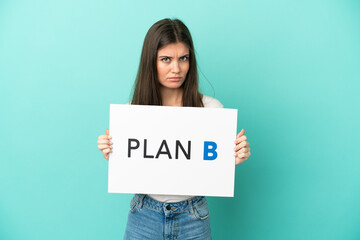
<point x="151" y="219"/>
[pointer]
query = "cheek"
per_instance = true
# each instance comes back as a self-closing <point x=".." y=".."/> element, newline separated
<point x="161" y="69"/>
<point x="186" y="67"/>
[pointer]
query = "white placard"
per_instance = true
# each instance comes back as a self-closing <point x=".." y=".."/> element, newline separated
<point x="161" y="150"/>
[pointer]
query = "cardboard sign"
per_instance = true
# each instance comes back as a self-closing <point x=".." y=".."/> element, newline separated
<point x="172" y="150"/>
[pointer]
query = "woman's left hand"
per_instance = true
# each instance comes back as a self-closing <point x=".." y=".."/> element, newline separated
<point x="242" y="150"/>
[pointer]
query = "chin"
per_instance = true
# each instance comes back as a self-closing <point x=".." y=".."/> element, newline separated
<point x="173" y="85"/>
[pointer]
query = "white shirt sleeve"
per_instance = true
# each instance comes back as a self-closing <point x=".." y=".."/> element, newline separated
<point x="210" y="102"/>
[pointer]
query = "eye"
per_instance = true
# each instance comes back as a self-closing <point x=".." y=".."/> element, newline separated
<point x="165" y="59"/>
<point x="184" y="58"/>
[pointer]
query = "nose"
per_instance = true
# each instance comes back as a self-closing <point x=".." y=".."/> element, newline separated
<point x="175" y="67"/>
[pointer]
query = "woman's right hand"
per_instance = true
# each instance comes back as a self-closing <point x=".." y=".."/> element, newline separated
<point x="104" y="144"/>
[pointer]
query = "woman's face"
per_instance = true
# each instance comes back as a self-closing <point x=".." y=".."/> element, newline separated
<point x="173" y="64"/>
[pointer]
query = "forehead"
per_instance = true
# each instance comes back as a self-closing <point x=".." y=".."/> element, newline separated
<point x="174" y="49"/>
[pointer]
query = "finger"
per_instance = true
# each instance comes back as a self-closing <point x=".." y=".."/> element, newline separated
<point x="243" y="150"/>
<point x="107" y="150"/>
<point x="108" y="134"/>
<point x="239" y="160"/>
<point x="103" y="137"/>
<point x="239" y="147"/>
<point x="103" y="146"/>
<point x="243" y="155"/>
<point x="240" y="139"/>
<point x="242" y="144"/>
<point x="240" y="133"/>
<point x="103" y="141"/>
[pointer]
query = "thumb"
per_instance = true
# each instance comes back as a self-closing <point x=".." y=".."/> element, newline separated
<point x="241" y="133"/>
<point x="107" y="131"/>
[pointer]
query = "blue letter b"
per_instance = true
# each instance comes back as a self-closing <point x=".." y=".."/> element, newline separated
<point x="210" y="147"/>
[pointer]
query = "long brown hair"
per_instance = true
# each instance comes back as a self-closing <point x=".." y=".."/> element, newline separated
<point x="147" y="86"/>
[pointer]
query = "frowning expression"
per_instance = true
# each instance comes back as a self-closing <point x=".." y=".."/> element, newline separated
<point x="173" y="64"/>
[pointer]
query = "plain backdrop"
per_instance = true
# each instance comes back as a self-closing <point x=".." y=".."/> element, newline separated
<point x="291" y="68"/>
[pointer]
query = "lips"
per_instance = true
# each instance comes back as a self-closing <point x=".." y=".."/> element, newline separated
<point x="174" y="78"/>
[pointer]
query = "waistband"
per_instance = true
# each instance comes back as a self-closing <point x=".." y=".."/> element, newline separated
<point x="143" y="199"/>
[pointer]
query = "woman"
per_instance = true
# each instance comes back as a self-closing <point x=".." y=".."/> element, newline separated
<point x="168" y="76"/>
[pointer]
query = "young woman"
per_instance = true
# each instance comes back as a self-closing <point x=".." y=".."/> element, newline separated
<point x="168" y="76"/>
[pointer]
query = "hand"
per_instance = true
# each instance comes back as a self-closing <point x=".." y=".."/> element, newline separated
<point x="242" y="150"/>
<point x="104" y="144"/>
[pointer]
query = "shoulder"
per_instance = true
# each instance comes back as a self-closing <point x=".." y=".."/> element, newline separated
<point x="210" y="102"/>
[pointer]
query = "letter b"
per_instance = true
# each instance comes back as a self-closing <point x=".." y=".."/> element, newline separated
<point x="209" y="151"/>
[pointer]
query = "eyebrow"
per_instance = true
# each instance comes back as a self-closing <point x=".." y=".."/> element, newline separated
<point x="186" y="55"/>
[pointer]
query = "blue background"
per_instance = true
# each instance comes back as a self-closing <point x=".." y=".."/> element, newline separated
<point x="291" y="68"/>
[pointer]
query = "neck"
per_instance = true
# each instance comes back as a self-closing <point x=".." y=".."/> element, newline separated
<point x="171" y="97"/>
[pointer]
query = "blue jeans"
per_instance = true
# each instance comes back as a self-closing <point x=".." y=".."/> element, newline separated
<point x="151" y="219"/>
